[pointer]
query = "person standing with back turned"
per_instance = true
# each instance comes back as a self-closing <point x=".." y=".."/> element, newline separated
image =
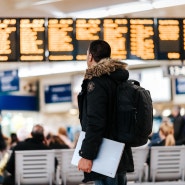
<point x="97" y="113"/>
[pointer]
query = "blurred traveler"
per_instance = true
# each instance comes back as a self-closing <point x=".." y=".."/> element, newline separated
<point x="36" y="142"/>
<point x="3" y="143"/>
<point x="3" y="163"/>
<point x="3" y="155"/>
<point x="179" y="125"/>
<point x="166" y="135"/>
<point x="96" y="111"/>
<point x="13" y="140"/>
<point x="55" y="142"/>
<point x="62" y="133"/>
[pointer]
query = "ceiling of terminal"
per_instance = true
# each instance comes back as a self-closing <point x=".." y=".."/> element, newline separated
<point x="59" y="8"/>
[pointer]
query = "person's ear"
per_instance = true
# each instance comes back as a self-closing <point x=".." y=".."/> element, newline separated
<point x="90" y="57"/>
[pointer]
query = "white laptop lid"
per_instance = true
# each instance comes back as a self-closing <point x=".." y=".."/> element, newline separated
<point x="108" y="157"/>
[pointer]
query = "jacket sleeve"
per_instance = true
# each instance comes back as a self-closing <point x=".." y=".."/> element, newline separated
<point x="97" y="101"/>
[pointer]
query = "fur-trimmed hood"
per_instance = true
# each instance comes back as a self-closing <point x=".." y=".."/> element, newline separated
<point x="114" y="68"/>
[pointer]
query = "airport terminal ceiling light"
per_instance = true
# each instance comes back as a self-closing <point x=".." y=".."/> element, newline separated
<point x="40" y="2"/>
<point x="125" y="8"/>
<point x="63" y="67"/>
<point x="51" y="68"/>
<point x="167" y="3"/>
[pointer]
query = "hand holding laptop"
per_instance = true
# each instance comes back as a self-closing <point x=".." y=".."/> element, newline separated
<point x="85" y="165"/>
<point x="108" y="157"/>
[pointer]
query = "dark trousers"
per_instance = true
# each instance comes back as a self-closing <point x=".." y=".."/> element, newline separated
<point x="9" y="180"/>
<point x="120" y="179"/>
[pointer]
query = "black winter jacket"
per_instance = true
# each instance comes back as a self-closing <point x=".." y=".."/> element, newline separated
<point x="96" y="111"/>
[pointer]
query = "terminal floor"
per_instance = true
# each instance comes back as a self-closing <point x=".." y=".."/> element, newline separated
<point x="148" y="183"/>
<point x="158" y="183"/>
<point x="143" y="183"/>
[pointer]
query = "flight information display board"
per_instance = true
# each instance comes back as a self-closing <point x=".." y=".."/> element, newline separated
<point x="60" y="39"/>
<point x="115" y="32"/>
<point x="8" y="39"/>
<point x="66" y="39"/>
<point x="87" y="30"/>
<point x="169" y="39"/>
<point x="183" y="39"/>
<point x="32" y="39"/>
<point x="141" y="41"/>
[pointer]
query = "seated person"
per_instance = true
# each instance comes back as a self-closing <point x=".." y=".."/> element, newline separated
<point x="3" y="162"/>
<point x="36" y="142"/>
<point x="55" y="142"/>
<point x="13" y="140"/>
<point x="178" y="124"/>
<point x="166" y="134"/>
<point x="62" y="133"/>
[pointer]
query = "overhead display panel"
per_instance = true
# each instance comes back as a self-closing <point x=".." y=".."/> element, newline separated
<point x="8" y="39"/>
<point x="169" y="39"/>
<point x="60" y="39"/>
<point x="115" y="32"/>
<point x="67" y="39"/>
<point x="141" y="40"/>
<point x="32" y="39"/>
<point x="87" y="30"/>
<point x="183" y="36"/>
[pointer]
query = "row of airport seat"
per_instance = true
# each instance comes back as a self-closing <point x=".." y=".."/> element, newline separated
<point x="37" y="166"/>
<point x="167" y="163"/>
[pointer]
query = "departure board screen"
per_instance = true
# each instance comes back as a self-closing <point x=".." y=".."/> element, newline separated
<point x="169" y="44"/>
<point x="32" y="39"/>
<point x="60" y="39"/>
<point x="142" y="45"/>
<point x="183" y="40"/>
<point x="8" y="39"/>
<point x="115" y="32"/>
<point x="87" y="30"/>
<point x="67" y="39"/>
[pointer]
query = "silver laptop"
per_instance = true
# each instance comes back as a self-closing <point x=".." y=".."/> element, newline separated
<point x="108" y="157"/>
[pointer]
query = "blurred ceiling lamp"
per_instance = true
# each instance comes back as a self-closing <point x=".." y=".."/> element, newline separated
<point x="154" y="112"/>
<point x="125" y="8"/>
<point x="166" y="112"/>
<point x="182" y="112"/>
<point x="20" y="4"/>
<point x="113" y="10"/>
<point x="40" y="2"/>
<point x="45" y="69"/>
<point x="167" y="3"/>
<point x="130" y="8"/>
<point x="73" y="111"/>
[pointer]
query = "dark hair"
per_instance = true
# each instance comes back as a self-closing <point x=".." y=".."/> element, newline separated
<point x="99" y="49"/>
<point x="14" y="138"/>
<point x="38" y="132"/>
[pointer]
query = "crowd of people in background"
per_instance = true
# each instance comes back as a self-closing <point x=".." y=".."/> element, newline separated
<point x="171" y="132"/>
<point x="22" y="140"/>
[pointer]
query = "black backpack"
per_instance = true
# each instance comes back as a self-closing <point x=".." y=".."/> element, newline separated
<point x="134" y="113"/>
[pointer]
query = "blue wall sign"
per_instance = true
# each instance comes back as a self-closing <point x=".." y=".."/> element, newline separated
<point x="24" y="103"/>
<point x="9" y="81"/>
<point x="180" y="85"/>
<point x="58" y="93"/>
